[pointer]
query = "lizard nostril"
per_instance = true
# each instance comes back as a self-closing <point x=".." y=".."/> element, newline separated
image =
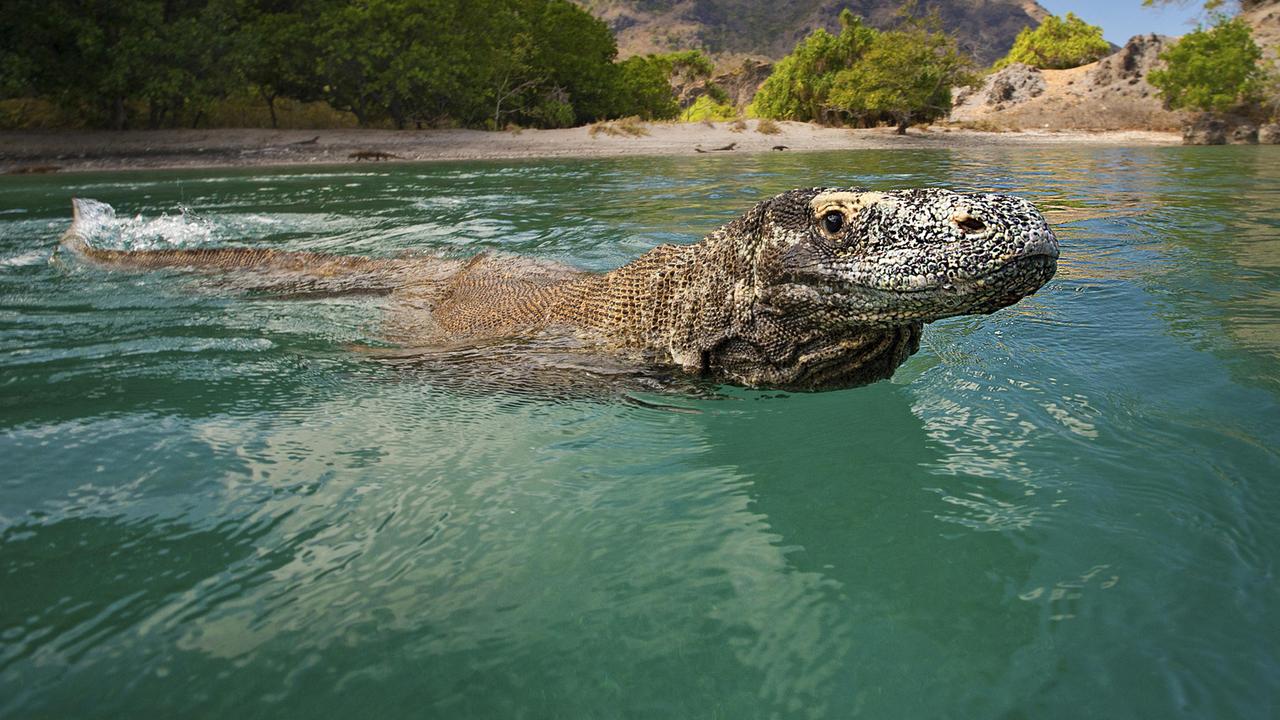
<point x="967" y="222"/>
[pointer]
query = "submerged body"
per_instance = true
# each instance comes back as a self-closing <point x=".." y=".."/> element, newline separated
<point x="809" y="290"/>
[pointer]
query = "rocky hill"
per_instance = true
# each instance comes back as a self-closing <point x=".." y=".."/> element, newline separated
<point x="1110" y="94"/>
<point x="770" y="29"/>
<point x="1264" y="17"/>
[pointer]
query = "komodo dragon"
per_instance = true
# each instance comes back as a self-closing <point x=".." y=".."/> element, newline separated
<point x="809" y="290"/>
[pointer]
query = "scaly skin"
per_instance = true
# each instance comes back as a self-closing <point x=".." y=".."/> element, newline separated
<point x="809" y="290"/>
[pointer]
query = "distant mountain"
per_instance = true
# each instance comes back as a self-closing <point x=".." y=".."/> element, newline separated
<point x="771" y="28"/>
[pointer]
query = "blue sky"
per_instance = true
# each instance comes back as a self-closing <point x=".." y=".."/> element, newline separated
<point x="1122" y="19"/>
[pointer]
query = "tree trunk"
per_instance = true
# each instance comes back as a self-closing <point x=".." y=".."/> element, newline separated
<point x="118" y="114"/>
<point x="397" y="114"/>
<point x="271" y="106"/>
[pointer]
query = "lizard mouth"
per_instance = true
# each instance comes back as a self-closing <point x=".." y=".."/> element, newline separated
<point x="860" y="303"/>
<point x="1020" y="272"/>
<point x="986" y="293"/>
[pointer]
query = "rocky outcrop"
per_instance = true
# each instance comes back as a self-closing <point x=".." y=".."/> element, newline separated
<point x="1009" y="86"/>
<point x="1269" y="134"/>
<point x="1220" y="129"/>
<point x="1014" y="84"/>
<point x="1111" y="94"/>
<point x="1003" y="89"/>
<point x="739" y="83"/>
<point x="742" y="82"/>
<point x="1129" y="67"/>
<point x="1205" y="130"/>
<point x="1243" y="134"/>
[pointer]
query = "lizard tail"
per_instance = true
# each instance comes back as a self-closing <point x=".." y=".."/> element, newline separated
<point x="273" y="266"/>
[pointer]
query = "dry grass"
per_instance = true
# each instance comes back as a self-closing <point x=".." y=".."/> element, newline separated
<point x="738" y="125"/>
<point x="979" y="125"/>
<point x="626" y="127"/>
<point x="767" y="127"/>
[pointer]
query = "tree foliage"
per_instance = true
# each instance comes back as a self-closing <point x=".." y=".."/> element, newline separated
<point x="644" y="89"/>
<point x="1211" y="69"/>
<point x="866" y="76"/>
<point x="1058" y="43"/>
<point x="905" y="74"/>
<point x="475" y="63"/>
<point x="103" y="57"/>
<point x="706" y="108"/>
<point x="801" y="82"/>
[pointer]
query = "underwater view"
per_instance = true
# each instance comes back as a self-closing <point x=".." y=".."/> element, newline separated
<point x="223" y="503"/>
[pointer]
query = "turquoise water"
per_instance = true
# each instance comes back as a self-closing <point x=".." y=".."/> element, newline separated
<point x="210" y="507"/>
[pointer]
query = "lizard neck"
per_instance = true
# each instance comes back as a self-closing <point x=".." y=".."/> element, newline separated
<point x="695" y="306"/>
<point x="674" y="300"/>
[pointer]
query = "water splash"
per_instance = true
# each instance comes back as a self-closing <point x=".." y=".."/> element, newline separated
<point x="99" y="225"/>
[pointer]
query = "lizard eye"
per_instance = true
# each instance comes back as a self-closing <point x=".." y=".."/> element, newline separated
<point x="833" y="221"/>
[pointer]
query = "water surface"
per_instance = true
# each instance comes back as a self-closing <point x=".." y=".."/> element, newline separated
<point x="211" y="507"/>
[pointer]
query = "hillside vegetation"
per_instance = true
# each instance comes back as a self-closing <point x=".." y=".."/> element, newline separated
<point x="402" y="63"/>
<point x="866" y="76"/>
<point x="1058" y="43"/>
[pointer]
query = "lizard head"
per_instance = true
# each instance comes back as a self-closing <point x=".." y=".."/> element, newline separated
<point x="860" y="258"/>
<point x="831" y="286"/>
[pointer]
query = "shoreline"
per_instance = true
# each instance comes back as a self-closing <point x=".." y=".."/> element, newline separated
<point x="29" y="152"/>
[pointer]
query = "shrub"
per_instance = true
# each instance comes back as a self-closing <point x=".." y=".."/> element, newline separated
<point x="643" y="88"/>
<point x="905" y="75"/>
<point x="800" y="83"/>
<point x="626" y="127"/>
<point x="1214" y="69"/>
<point x="704" y="108"/>
<point x="1058" y="43"/>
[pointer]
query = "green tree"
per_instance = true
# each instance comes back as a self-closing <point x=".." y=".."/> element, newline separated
<point x="276" y="53"/>
<point x="186" y="66"/>
<point x="801" y="82"/>
<point x="115" y="62"/>
<point x="386" y="59"/>
<point x="572" y="63"/>
<point x="477" y="63"/>
<point x="644" y="90"/>
<point x="1211" y="69"/>
<point x="1058" y="43"/>
<point x="905" y="74"/>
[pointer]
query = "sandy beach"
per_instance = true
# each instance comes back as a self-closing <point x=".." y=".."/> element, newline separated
<point x="64" y="151"/>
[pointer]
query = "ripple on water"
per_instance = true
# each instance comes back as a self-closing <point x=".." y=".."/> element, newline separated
<point x="1062" y="509"/>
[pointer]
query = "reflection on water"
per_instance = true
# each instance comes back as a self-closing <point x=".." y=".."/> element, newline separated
<point x="212" y="504"/>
